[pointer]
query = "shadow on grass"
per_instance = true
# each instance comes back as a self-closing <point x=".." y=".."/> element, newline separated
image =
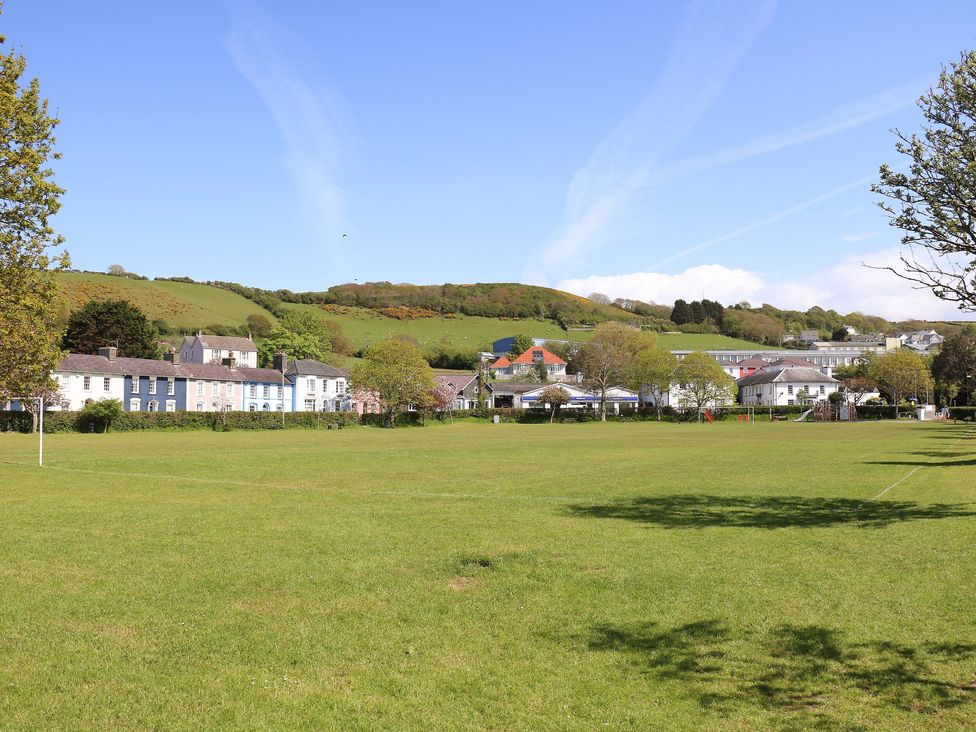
<point x="794" y="670"/>
<point x="926" y="463"/>
<point x="689" y="511"/>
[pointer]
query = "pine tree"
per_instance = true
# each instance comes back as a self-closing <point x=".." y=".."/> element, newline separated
<point x="680" y="313"/>
<point x="29" y="331"/>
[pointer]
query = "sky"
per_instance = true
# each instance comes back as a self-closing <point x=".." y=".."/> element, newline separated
<point x="643" y="150"/>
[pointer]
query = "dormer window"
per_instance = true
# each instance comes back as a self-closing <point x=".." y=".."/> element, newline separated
<point x="536" y="356"/>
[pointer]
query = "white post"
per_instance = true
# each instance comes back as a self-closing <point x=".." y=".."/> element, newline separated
<point x="40" y="443"/>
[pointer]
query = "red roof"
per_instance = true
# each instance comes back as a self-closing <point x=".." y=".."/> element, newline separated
<point x="501" y="363"/>
<point x="548" y="357"/>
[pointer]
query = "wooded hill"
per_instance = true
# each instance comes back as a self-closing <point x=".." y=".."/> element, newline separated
<point x="464" y="315"/>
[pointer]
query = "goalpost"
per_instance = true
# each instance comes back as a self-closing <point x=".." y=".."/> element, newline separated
<point x="40" y="424"/>
<point x="746" y="412"/>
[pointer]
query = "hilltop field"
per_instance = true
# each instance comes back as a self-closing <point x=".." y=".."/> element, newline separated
<point x="195" y="306"/>
<point x="475" y="576"/>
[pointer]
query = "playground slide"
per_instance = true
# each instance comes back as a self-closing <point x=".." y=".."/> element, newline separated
<point x="803" y="416"/>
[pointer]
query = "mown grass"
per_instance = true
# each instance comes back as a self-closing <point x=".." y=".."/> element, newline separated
<point x="623" y="576"/>
<point x="181" y="304"/>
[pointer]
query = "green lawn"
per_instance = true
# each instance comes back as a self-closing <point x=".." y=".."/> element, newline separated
<point x="471" y="576"/>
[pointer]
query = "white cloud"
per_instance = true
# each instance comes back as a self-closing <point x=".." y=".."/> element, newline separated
<point x="847" y="287"/>
<point x="856" y="238"/>
<point x="623" y="162"/>
<point x="311" y="123"/>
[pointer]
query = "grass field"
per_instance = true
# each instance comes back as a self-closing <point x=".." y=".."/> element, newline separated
<point x="472" y="576"/>
<point x="181" y="304"/>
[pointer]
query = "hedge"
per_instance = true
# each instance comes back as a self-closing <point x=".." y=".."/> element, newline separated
<point x="57" y="422"/>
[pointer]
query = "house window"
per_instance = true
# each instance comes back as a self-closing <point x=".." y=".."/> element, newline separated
<point x="252" y="391"/>
<point x="230" y="389"/>
<point x="309" y="405"/>
<point x="266" y="407"/>
<point x="135" y="384"/>
<point x="789" y="389"/>
<point x="106" y="384"/>
<point x="153" y="405"/>
<point x="821" y="388"/>
<point x="133" y="405"/>
<point x="252" y="408"/>
<point x="791" y="402"/>
<point x="86" y="383"/>
<point x="170" y="405"/>
<point x="152" y="386"/>
<point x="311" y="386"/>
<point x="199" y="388"/>
<point x="325" y="386"/>
<point x="199" y="406"/>
<point x="536" y="356"/>
<point x="340" y="387"/>
<point x="170" y="387"/>
<point x="266" y="392"/>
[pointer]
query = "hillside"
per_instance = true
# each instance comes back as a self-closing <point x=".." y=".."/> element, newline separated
<point x="183" y="305"/>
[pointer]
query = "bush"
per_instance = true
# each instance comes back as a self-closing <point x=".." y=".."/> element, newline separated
<point x="99" y="416"/>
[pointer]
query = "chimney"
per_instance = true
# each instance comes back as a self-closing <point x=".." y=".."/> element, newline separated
<point x="108" y="352"/>
<point x="172" y="356"/>
<point x="280" y="362"/>
<point x="230" y="362"/>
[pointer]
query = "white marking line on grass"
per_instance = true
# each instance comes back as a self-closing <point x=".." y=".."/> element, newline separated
<point x="244" y="484"/>
<point x="912" y="472"/>
<point x="897" y="482"/>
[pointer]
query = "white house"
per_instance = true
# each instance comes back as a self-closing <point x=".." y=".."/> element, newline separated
<point x="318" y="387"/>
<point x="786" y="385"/>
<point x="209" y="348"/>
<point x="82" y="378"/>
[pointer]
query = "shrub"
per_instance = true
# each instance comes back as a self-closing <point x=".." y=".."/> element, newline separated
<point x="101" y="414"/>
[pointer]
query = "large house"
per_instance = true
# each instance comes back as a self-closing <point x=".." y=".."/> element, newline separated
<point x="210" y="348"/>
<point x="785" y="384"/>
<point x="528" y="363"/>
<point x="318" y="387"/>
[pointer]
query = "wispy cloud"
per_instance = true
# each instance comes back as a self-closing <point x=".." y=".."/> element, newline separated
<point x="311" y="122"/>
<point x="761" y="223"/>
<point x="709" y="45"/>
<point x="856" y="238"/>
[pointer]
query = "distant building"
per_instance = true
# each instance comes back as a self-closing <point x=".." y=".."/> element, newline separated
<point x="922" y="341"/>
<point x="209" y="348"/>
<point x="318" y="387"/>
<point x="465" y="388"/>
<point x="809" y="336"/>
<point x="528" y="362"/>
<point x="785" y="385"/>
<point x="503" y="346"/>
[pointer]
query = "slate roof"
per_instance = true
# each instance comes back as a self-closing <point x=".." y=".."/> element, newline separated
<point x="801" y="362"/>
<point x="753" y="363"/>
<point x="548" y="357"/>
<point x="460" y="381"/>
<point x="518" y="387"/>
<point x="264" y="376"/>
<point x="208" y="372"/>
<point x="308" y="367"/>
<point x="787" y="375"/>
<point x="226" y="343"/>
<point x="85" y="363"/>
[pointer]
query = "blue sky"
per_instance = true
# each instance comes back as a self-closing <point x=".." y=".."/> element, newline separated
<point x="641" y="149"/>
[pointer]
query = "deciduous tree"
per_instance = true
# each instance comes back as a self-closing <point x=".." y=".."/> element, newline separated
<point x="900" y="374"/>
<point x="554" y="397"/>
<point x="704" y="383"/>
<point x="934" y="202"/>
<point x="300" y="335"/>
<point x="606" y="359"/>
<point x="30" y="335"/>
<point x="112" y="323"/>
<point x="954" y="367"/>
<point x="520" y="345"/>
<point x="398" y="372"/>
<point x="653" y="371"/>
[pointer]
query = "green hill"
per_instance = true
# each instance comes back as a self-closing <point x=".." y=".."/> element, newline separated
<point x="183" y="305"/>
